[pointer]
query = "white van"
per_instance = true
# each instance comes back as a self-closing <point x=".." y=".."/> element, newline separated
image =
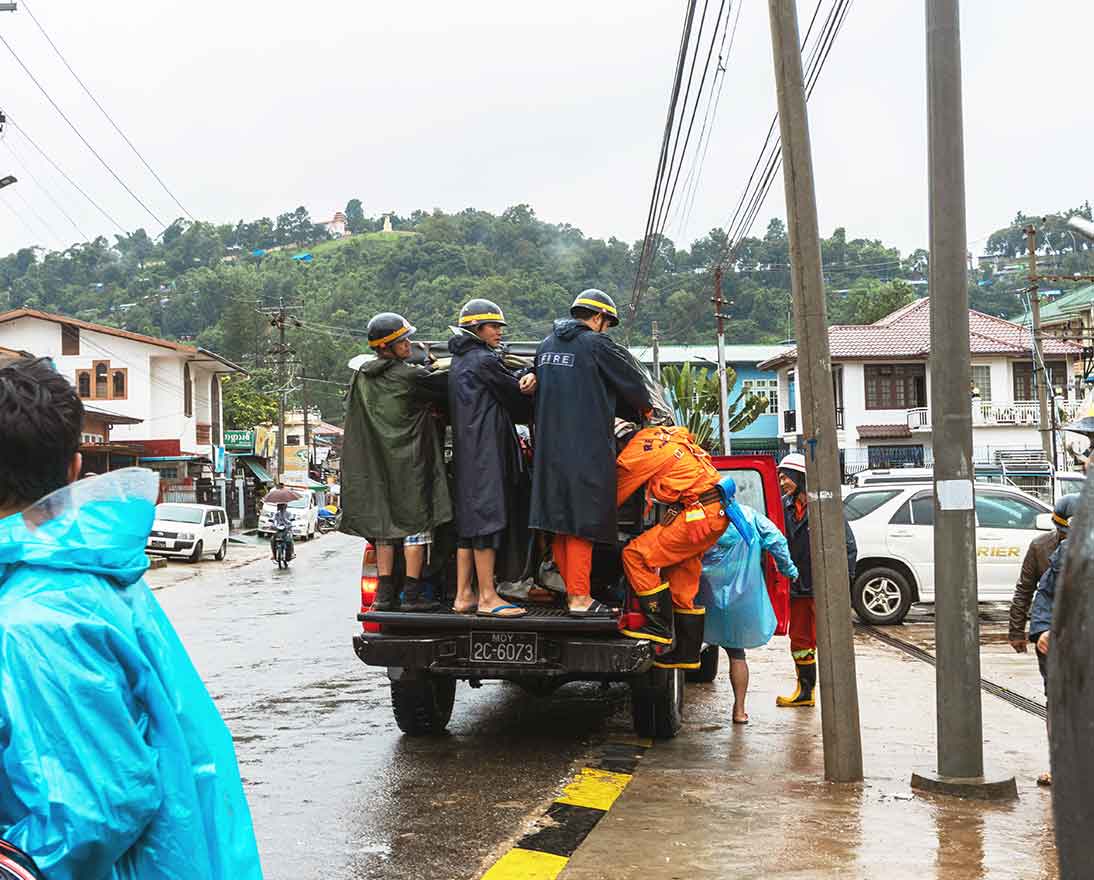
<point x="189" y="531"/>
<point x="305" y="517"/>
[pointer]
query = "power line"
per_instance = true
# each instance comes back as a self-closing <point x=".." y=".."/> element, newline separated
<point x="674" y="95"/>
<point x="78" y="133"/>
<point x="26" y="170"/>
<point x="41" y="220"/>
<point x="102" y="109"/>
<point x="60" y="171"/>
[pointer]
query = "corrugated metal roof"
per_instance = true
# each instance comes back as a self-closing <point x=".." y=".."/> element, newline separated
<point x="735" y="354"/>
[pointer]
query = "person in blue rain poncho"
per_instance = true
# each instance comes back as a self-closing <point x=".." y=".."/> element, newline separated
<point x="114" y="762"/>
<point x="734" y="590"/>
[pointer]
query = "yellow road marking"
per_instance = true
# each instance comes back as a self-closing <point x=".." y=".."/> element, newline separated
<point x="526" y="864"/>
<point x="593" y="788"/>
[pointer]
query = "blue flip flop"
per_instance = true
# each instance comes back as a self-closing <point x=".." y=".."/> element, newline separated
<point x="493" y="612"/>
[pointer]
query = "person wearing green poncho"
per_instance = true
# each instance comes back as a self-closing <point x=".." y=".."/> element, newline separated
<point x="394" y="485"/>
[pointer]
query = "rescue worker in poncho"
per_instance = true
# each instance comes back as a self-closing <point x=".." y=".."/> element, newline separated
<point x="664" y="563"/>
<point x="394" y="485"/>
<point x="584" y="380"/>
<point x="114" y="762"/>
<point x="486" y="400"/>
<point x="803" y="614"/>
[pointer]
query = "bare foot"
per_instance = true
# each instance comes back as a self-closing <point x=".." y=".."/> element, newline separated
<point x="1045" y="779"/>
<point x="740" y="716"/>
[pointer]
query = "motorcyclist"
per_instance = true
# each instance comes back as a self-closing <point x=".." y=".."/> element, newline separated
<point x="583" y="379"/>
<point x="394" y="484"/>
<point x="282" y="531"/>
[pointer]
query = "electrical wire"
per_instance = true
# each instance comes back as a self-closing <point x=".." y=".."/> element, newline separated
<point x="19" y="217"/>
<point x="102" y="109"/>
<point x="78" y="133"/>
<point x="60" y="171"/>
<point x="658" y="179"/>
<point x="50" y="231"/>
<point x="26" y="170"/>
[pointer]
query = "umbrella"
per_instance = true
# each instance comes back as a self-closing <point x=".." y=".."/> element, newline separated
<point x="1083" y="426"/>
<point x="281" y="496"/>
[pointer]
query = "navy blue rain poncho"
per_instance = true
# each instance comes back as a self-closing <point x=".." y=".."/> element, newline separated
<point x="114" y="762"/>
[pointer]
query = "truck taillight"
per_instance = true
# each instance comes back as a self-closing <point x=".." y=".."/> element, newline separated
<point x="368" y="562"/>
<point x="368" y="596"/>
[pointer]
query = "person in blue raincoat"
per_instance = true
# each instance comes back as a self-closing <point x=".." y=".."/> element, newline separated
<point x="734" y="590"/>
<point x="114" y="762"/>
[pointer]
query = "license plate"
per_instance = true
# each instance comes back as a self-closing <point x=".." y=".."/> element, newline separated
<point x="504" y="647"/>
<point x="159" y="544"/>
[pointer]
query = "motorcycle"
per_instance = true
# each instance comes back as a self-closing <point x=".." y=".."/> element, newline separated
<point x="283" y="548"/>
<point x="329" y="522"/>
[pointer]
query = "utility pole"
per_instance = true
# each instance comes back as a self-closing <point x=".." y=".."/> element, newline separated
<point x="723" y="391"/>
<point x="835" y="646"/>
<point x="656" y="352"/>
<point x="957" y="628"/>
<point x="1040" y="369"/>
<point x="283" y="382"/>
<point x="307" y="446"/>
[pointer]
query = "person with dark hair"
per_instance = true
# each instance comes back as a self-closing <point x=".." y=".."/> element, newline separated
<point x="114" y="761"/>
<point x="584" y="380"/>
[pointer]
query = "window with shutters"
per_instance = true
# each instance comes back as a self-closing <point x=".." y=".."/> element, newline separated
<point x="1025" y="388"/>
<point x="101" y="379"/>
<point x="187" y="392"/>
<point x="119" y="382"/>
<point x="83" y="384"/>
<point x="896" y="386"/>
<point x="981" y="381"/>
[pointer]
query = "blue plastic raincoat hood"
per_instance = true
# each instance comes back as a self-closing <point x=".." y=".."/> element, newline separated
<point x="114" y="762"/>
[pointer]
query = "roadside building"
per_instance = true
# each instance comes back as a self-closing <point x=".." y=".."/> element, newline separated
<point x="882" y="381"/>
<point x="163" y="396"/>
<point x="100" y="454"/>
<point x="337" y="226"/>
<point x="763" y="435"/>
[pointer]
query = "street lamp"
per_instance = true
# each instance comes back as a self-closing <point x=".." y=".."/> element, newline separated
<point x="7" y="181"/>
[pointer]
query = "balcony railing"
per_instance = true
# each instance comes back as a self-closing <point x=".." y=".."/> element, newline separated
<point x="1020" y="414"/>
<point x="790" y="420"/>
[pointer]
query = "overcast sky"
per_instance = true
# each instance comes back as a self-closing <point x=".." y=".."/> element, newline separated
<point x="248" y="109"/>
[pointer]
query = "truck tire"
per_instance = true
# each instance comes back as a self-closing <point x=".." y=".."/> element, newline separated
<point x="657" y="703"/>
<point x="539" y="687"/>
<point x="423" y="706"/>
<point x="708" y="668"/>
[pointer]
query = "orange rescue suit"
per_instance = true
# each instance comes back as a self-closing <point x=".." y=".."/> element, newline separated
<point x="674" y="470"/>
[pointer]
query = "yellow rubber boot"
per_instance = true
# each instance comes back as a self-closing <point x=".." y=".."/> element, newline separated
<point x="807" y="685"/>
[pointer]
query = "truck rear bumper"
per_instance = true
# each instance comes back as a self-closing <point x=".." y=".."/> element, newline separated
<point x="561" y="656"/>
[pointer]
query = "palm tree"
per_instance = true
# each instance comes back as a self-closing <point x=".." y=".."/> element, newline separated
<point x="693" y="395"/>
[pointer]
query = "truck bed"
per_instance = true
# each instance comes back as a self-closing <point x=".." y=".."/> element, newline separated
<point x="554" y="620"/>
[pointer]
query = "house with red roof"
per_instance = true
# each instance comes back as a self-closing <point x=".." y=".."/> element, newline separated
<point x="882" y="377"/>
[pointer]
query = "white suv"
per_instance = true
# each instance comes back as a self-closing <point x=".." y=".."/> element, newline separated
<point x="894" y="530"/>
<point x="189" y="531"/>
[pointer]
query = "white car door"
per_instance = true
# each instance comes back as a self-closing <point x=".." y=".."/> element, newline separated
<point x="910" y="538"/>
<point x="1006" y="523"/>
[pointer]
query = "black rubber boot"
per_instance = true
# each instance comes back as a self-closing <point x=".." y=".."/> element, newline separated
<point x="657" y="607"/>
<point x="414" y="601"/>
<point x="387" y="599"/>
<point x="807" y="682"/>
<point x="689" y="640"/>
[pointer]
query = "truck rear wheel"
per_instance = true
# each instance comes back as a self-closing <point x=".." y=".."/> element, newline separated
<point x="657" y="703"/>
<point x="423" y="706"/>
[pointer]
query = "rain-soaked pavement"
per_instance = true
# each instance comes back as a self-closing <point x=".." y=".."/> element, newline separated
<point x="336" y="791"/>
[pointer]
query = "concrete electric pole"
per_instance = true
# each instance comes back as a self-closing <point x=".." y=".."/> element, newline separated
<point x="835" y="646"/>
<point x="723" y="390"/>
<point x="957" y="626"/>
<point x="1041" y="376"/>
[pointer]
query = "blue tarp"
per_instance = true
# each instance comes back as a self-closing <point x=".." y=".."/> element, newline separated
<point x="114" y="762"/>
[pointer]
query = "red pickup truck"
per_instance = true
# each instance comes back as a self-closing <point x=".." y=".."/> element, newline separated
<point x="427" y="654"/>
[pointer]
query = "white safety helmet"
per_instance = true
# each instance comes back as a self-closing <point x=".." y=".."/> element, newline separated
<point x="794" y="461"/>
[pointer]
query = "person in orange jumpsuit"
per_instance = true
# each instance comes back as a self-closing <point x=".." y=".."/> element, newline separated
<point x="669" y="556"/>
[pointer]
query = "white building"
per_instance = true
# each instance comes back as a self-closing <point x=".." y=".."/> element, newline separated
<point x="882" y="379"/>
<point x="338" y="227"/>
<point x="171" y="388"/>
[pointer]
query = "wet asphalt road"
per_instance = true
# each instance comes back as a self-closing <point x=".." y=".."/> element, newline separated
<point x="336" y="791"/>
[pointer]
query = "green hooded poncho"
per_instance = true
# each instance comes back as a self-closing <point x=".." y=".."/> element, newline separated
<point x="393" y="476"/>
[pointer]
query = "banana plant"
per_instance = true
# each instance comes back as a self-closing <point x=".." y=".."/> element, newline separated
<point x="693" y="394"/>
